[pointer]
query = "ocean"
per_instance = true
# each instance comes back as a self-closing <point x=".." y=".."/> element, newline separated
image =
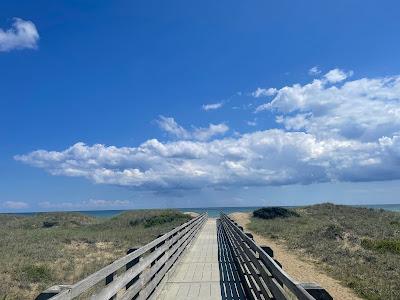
<point x="214" y="211"/>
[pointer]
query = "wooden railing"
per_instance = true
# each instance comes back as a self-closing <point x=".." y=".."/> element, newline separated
<point x="261" y="275"/>
<point x="136" y="275"/>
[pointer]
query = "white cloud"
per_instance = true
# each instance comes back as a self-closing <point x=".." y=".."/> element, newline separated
<point x="16" y="204"/>
<point x="204" y="134"/>
<point x="87" y="204"/>
<point x="364" y="109"/>
<point x="334" y="130"/>
<point x="22" y="34"/>
<point x="337" y="75"/>
<point x="212" y="106"/>
<point x="260" y="92"/>
<point x="314" y="71"/>
<point x="271" y="157"/>
<point x="170" y="126"/>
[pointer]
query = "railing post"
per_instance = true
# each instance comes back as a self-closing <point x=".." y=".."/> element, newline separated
<point x="130" y="265"/>
<point x="268" y="250"/>
<point x="109" y="279"/>
<point x="52" y="291"/>
<point x="249" y="235"/>
<point x="316" y="291"/>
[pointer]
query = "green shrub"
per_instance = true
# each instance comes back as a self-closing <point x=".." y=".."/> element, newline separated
<point x="382" y="245"/>
<point x="33" y="273"/>
<point x="48" y="224"/>
<point x="164" y="218"/>
<point x="274" y="212"/>
<point x="332" y="232"/>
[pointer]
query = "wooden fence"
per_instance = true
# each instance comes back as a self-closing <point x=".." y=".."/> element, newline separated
<point x="136" y="275"/>
<point x="261" y="275"/>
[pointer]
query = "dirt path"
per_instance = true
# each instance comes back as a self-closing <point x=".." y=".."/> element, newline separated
<point x="300" y="268"/>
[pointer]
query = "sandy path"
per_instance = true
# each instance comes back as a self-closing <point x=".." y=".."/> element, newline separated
<point x="191" y="213"/>
<point x="302" y="269"/>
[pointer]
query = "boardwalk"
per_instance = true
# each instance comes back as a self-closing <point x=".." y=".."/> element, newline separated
<point x="206" y="271"/>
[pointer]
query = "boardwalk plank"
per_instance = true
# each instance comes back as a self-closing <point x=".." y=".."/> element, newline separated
<point x="205" y="272"/>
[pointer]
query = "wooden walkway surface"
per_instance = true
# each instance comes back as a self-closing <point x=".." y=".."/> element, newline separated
<point x="206" y="271"/>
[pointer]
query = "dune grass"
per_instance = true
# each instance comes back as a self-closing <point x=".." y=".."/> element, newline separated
<point x="61" y="248"/>
<point x="358" y="246"/>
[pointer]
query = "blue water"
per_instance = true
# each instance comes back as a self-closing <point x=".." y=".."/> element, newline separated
<point x="213" y="211"/>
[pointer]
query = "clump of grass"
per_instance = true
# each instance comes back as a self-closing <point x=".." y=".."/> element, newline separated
<point x="33" y="273"/>
<point x="358" y="246"/>
<point x="61" y="248"/>
<point x="158" y="219"/>
<point x="274" y="212"/>
<point x="382" y="245"/>
<point x="165" y="218"/>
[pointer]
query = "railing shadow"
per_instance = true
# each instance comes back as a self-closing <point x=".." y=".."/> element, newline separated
<point x="231" y="286"/>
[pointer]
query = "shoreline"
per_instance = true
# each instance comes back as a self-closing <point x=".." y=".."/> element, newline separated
<point x="212" y="211"/>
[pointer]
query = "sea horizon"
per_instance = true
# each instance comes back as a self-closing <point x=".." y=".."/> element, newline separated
<point x="212" y="211"/>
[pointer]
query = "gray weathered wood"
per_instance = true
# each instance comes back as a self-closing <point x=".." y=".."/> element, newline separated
<point x="248" y="253"/>
<point x="143" y="264"/>
<point x="135" y="263"/>
<point x="262" y="276"/>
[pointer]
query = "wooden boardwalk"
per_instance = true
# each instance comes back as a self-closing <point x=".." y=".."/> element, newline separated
<point x="203" y="259"/>
<point x="206" y="271"/>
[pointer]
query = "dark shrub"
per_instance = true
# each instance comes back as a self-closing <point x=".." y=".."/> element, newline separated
<point x="48" y="224"/>
<point x="332" y="232"/>
<point x="274" y="212"/>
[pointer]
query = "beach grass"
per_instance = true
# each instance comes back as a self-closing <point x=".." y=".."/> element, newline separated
<point x="358" y="246"/>
<point x="61" y="248"/>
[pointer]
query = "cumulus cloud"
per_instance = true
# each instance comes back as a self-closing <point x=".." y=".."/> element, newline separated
<point x="22" y="34"/>
<point x="271" y="157"/>
<point x="170" y="126"/>
<point x="364" y="109"/>
<point x="260" y="92"/>
<point x="212" y="106"/>
<point x="332" y="129"/>
<point x="16" y="204"/>
<point x="337" y="75"/>
<point x="314" y="71"/>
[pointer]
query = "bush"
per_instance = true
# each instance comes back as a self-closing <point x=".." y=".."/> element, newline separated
<point x="33" y="273"/>
<point x="382" y="245"/>
<point x="332" y="232"/>
<point x="165" y="218"/>
<point x="274" y="212"/>
<point x="48" y="224"/>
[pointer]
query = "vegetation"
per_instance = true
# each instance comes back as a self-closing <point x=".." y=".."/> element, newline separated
<point x="61" y="248"/>
<point x="274" y="212"/>
<point x="358" y="246"/>
<point x="382" y="245"/>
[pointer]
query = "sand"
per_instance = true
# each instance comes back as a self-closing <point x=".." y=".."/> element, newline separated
<point x="192" y="214"/>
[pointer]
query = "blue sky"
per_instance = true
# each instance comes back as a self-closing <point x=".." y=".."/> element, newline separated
<point x="137" y="76"/>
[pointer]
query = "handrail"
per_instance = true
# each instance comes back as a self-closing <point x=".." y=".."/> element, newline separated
<point x="265" y="277"/>
<point x="148" y="263"/>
